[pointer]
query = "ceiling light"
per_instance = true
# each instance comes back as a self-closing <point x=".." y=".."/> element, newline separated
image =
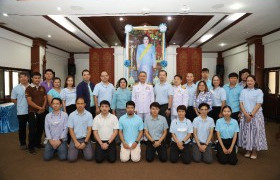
<point x="49" y="36"/>
<point x="58" y="8"/>
<point x="235" y="16"/>
<point x="169" y="18"/>
<point x="5" y="14"/>
<point x="145" y="11"/>
<point x="174" y="43"/>
<point x="222" y="44"/>
<point x="121" y="18"/>
<point x="206" y="37"/>
<point x="116" y="44"/>
<point x="236" y="6"/>
<point x="63" y="22"/>
<point x="185" y="9"/>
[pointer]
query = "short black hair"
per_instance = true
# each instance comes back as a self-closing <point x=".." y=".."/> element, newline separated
<point x="182" y="107"/>
<point x="23" y="73"/>
<point x="179" y="76"/>
<point x="226" y="106"/>
<point x="245" y="70"/>
<point x="56" y="78"/>
<point x="58" y="99"/>
<point x="142" y="72"/>
<point x="233" y="74"/>
<point x="49" y="70"/>
<point x="130" y="103"/>
<point x="80" y="97"/>
<point x="205" y="70"/>
<point x="204" y="104"/>
<point x="85" y="70"/>
<point x="36" y="74"/>
<point x="105" y="103"/>
<point x="155" y="104"/>
<point x="163" y="71"/>
<point x="119" y="82"/>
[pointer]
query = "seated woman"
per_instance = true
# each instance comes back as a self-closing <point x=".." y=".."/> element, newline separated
<point x="181" y="129"/>
<point x="203" y="127"/>
<point x="227" y="129"/>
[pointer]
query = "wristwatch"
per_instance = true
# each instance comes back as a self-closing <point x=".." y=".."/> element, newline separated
<point x="108" y="142"/>
<point x="137" y="142"/>
<point x="169" y="109"/>
<point x="183" y="142"/>
<point x="153" y="142"/>
<point x="85" y="142"/>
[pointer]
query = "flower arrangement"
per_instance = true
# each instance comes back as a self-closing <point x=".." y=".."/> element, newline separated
<point x="128" y="28"/>
<point x="127" y="63"/>
<point x="162" y="27"/>
<point x="163" y="63"/>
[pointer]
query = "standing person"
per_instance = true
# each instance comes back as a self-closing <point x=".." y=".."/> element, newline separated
<point x="155" y="128"/>
<point x="205" y="78"/>
<point x="181" y="129"/>
<point x="85" y="90"/>
<point x="18" y="97"/>
<point x="55" y="92"/>
<point x="120" y="98"/>
<point x="103" y="91"/>
<point x="202" y="95"/>
<point x="68" y="95"/>
<point x="203" y="127"/>
<point x="80" y="125"/>
<point x="164" y="96"/>
<point x="219" y="98"/>
<point x="146" y="58"/>
<point x="244" y="73"/>
<point x="142" y="96"/>
<point x="48" y="82"/>
<point x="56" y="132"/>
<point x="180" y="97"/>
<point x="37" y="100"/>
<point x="191" y="87"/>
<point x="131" y="131"/>
<point x="252" y="131"/>
<point x="227" y="129"/>
<point x="105" y="128"/>
<point x="233" y="91"/>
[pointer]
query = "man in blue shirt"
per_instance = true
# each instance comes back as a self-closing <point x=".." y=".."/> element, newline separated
<point x="205" y="76"/>
<point x="131" y="131"/>
<point x="18" y="97"/>
<point x="80" y="124"/>
<point x="233" y="91"/>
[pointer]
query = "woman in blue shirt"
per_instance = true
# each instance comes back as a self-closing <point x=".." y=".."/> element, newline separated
<point x="54" y="92"/>
<point x="227" y="129"/>
<point x="69" y="95"/>
<point x="252" y="131"/>
<point x="121" y="96"/>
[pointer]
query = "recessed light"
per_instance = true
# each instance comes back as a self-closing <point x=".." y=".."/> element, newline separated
<point x="169" y="18"/>
<point x="236" y="6"/>
<point x="174" y="43"/>
<point x="222" y="44"/>
<point x="206" y="37"/>
<point x="121" y="18"/>
<point x="58" y="8"/>
<point x="116" y="44"/>
<point x="247" y="32"/>
<point x="5" y="14"/>
<point x="49" y="36"/>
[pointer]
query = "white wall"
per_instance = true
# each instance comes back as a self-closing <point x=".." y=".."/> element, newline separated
<point x="82" y="62"/>
<point x="235" y="60"/>
<point x="209" y="60"/>
<point x="15" y="50"/>
<point x="272" y="50"/>
<point x="57" y="60"/>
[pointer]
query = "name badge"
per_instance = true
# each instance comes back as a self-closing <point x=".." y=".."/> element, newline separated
<point x="182" y="129"/>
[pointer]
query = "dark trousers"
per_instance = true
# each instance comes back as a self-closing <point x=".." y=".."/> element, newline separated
<point x="226" y="158"/>
<point x="69" y="109"/>
<point x="36" y="128"/>
<point x="110" y="154"/>
<point x="151" y="152"/>
<point x="215" y="113"/>
<point x="190" y="114"/>
<point x="92" y="110"/>
<point x="162" y="110"/>
<point x="22" y="121"/>
<point x="235" y="116"/>
<point x="185" y="153"/>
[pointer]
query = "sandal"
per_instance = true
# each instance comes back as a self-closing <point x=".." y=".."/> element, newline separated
<point x="248" y="154"/>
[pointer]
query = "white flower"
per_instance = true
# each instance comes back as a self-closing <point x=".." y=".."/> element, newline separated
<point x="128" y="28"/>
<point x="162" y="27"/>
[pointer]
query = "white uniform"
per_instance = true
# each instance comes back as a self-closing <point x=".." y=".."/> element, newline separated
<point x="143" y="96"/>
<point x="181" y="97"/>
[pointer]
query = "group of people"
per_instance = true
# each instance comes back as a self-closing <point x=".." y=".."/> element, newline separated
<point x="188" y="118"/>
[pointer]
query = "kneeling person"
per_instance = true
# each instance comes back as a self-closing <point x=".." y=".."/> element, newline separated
<point x="105" y="129"/>
<point x="131" y="131"/>
<point x="155" y="128"/>
<point x="80" y="124"/>
<point x="56" y="131"/>
<point x="181" y="129"/>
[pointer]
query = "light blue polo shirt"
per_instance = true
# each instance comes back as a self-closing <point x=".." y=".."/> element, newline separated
<point x="18" y="93"/>
<point x="233" y="97"/>
<point x="208" y="83"/>
<point x="162" y="92"/>
<point x="250" y="98"/>
<point x="181" y="129"/>
<point x="219" y="95"/>
<point x="104" y="92"/>
<point x="203" y="128"/>
<point x="130" y="127"/>
<point x="80" y="123"/>
<point x="191" y="90"/>
<point x="227" y="130"/>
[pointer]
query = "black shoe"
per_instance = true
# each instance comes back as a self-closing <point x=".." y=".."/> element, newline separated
<point x="39" y="146"/>
<point x="32" y="151"/>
